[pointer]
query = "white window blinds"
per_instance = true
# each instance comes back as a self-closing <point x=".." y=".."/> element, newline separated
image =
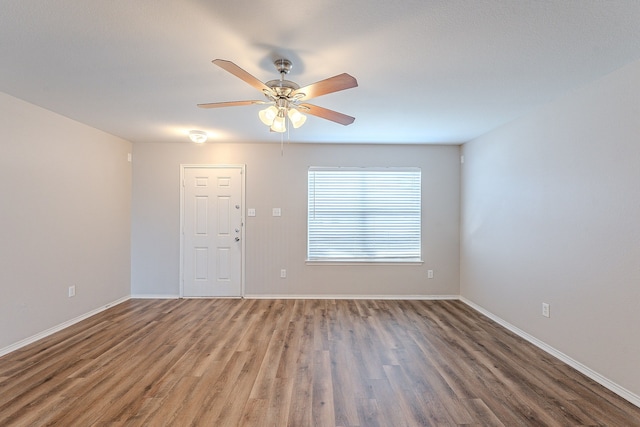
<point x="364" y="214"/>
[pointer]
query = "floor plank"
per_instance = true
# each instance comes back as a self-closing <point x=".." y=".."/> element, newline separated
<point x="299" y="363"/>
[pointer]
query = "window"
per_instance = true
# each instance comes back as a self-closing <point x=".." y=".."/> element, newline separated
<point x="364" y="214"/>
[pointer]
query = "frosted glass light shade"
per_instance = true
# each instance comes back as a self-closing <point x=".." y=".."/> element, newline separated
<point x="297" y="119"/>
<point x="279" y="124"/>
<point x="267" y="115"/>
<point x="198" y="136"/>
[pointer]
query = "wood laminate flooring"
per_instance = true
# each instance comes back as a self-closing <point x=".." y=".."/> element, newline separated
<point x="230" y="362"/>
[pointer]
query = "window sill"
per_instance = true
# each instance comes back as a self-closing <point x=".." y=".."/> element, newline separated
<point x="366" y="262"/>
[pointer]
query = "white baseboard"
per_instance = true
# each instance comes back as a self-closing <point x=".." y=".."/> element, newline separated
<point x="378" y="297"/>
<point x="57" y="328"/>
<point x="600" y="379"/>
<point x="289" y="296"/>
<point x="155" y="296"/>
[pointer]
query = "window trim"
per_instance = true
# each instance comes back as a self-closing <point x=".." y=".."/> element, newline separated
<point x="380" y="262"/>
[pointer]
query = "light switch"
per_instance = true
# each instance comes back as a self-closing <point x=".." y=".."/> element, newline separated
<point x="251" y="212"/>
<point x="277" y="212"/>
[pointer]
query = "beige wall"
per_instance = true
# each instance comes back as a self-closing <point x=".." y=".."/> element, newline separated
<point x="65" y="192"/>
<point x="550" y="213"/>
<point x="275" y="180"/>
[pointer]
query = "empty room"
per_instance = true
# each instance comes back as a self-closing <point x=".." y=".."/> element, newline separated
<point x="362" y="213"/>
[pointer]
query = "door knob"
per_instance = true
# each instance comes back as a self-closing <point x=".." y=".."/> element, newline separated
<point x="237" y="239"/>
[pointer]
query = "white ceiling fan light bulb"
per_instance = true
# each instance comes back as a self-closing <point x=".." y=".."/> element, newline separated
<point x="297" y="118"/>
<point x="198" y="136"/>
<point x="267" y="115"/>
<point x="279" y="124"/>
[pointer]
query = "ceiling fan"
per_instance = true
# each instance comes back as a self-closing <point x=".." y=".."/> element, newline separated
<point x="286" y="98"/>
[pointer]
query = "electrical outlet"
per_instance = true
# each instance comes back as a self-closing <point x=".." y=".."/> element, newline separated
<point x="283" y="273"/>
<point x="429" y="274"/>
<point x="545" y="310"/>
<point x="72" y="291"/>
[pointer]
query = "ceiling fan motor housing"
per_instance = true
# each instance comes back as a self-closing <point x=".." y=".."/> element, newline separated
<point x="282" y="88"/>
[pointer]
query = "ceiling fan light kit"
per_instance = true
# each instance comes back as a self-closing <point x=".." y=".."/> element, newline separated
<point x="268" y="115"/>
<point x="297" y="119"/>
<point x="279" y="123"/>
<point x="285" y="98"/>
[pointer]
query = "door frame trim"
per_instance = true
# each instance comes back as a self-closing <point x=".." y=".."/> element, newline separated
<point x="242" y="168"/>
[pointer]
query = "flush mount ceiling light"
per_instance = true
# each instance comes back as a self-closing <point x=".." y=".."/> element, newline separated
<point x="198" y="136"/>
<point x="285" y="97"/>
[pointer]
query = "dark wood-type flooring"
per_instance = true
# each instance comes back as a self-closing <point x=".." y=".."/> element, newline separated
<point x="296" y="363"/>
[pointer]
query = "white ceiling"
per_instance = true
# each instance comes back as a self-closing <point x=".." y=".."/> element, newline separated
<point x="429" y="71"/>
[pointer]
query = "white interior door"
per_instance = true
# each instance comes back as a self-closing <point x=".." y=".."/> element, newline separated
<point x="212" y="231"/>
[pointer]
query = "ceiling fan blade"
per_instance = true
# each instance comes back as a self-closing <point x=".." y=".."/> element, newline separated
<point x="241" y="74"/>
<point x="327" y="114"/>
<point x="230" y="104"/>
<point x="332" y="84"/>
